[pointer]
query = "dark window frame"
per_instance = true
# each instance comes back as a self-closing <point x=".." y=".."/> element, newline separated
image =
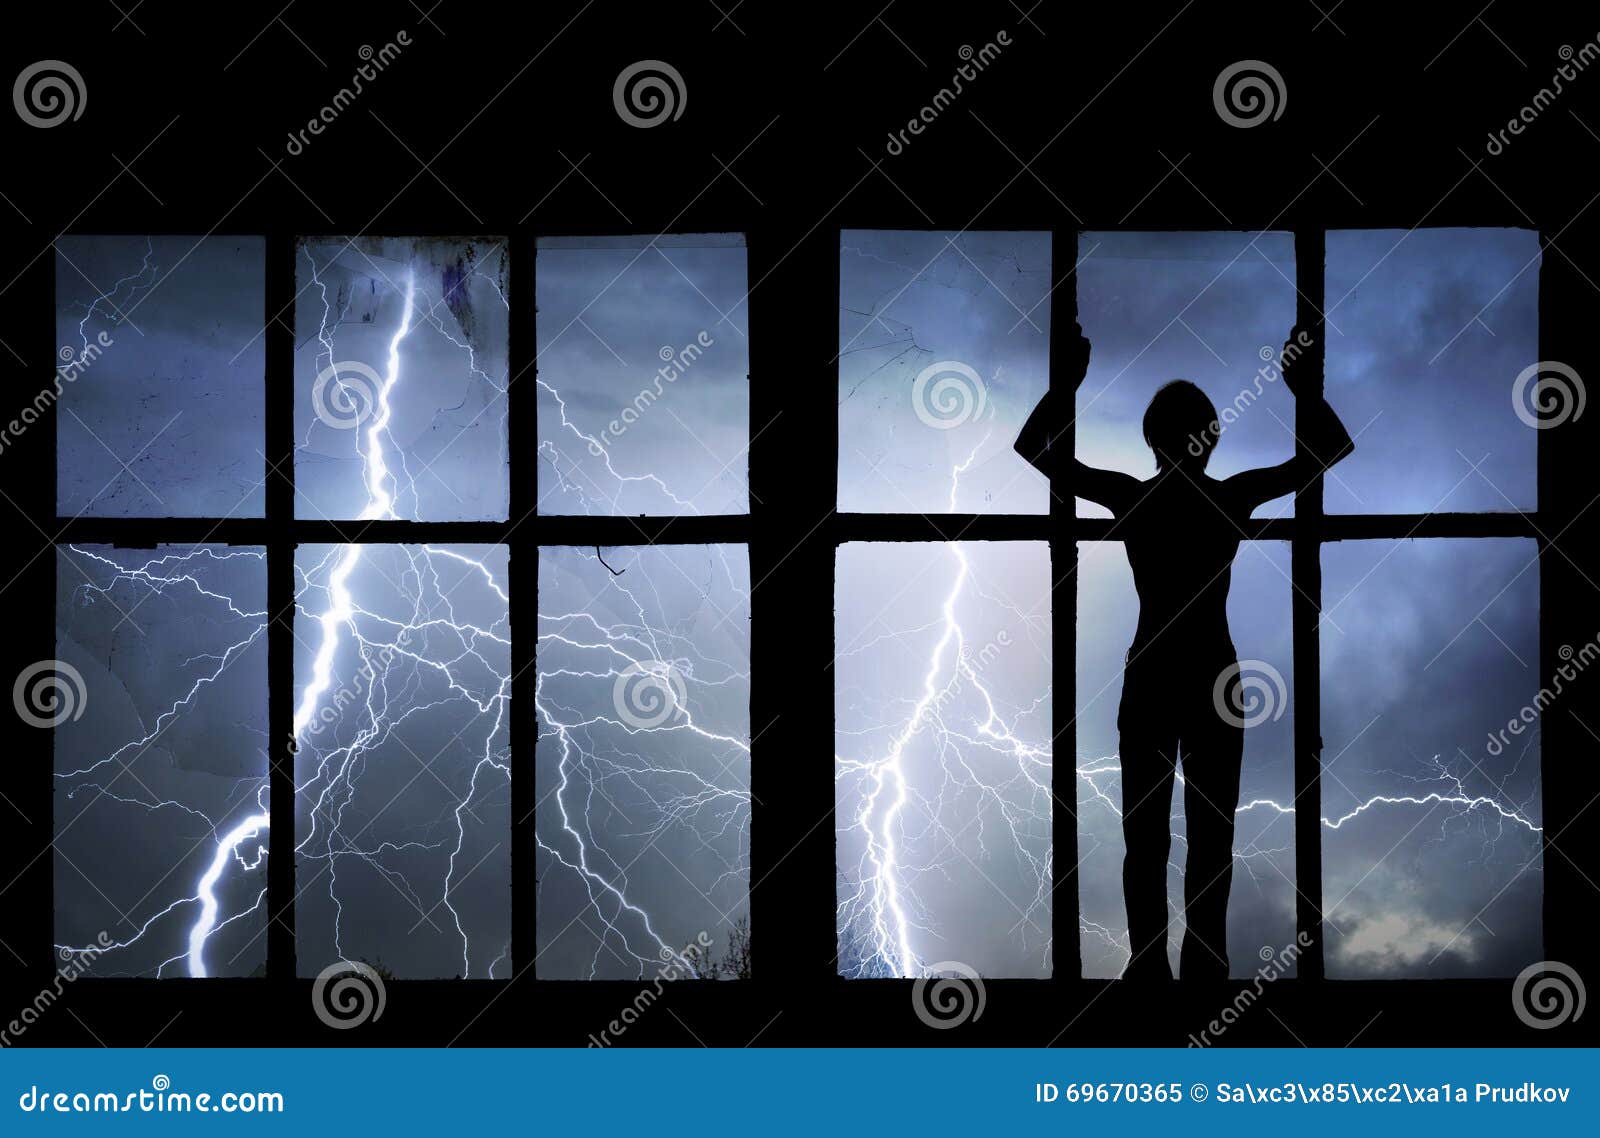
<point x="792" y="533"/>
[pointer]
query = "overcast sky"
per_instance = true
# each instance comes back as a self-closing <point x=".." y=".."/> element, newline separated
<point x="1427" y="646"/>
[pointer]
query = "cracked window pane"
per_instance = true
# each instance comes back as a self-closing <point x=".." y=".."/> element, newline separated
<point x="160" y="720"/>
<point x="942" y="771"/>
<point x="643" y="768"/>
<point x="400" y="373"/>
<point x="402" y="775"/>
<point x="944" y="346"/>
<point x="160" y="372"/>
<point x="1261" y="908"/>
<point x="643" y="374"/>
<point x="1429" y="331"/>
<point x="1432" y="837"/>
<point x="1212" y="308"/>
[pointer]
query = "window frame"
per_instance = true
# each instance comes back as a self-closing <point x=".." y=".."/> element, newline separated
<point x="791" y="533"/>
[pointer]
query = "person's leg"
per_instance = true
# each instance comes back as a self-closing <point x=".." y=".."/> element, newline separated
<point x="1148" y="756"/>
<point x="1212" y="750"/>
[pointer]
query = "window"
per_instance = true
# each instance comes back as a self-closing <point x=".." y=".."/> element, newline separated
<point x="449" y="554"/>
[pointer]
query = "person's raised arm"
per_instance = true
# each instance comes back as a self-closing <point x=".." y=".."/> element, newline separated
<point x="1324" y="440"/>
<point x="1048" y="423"/>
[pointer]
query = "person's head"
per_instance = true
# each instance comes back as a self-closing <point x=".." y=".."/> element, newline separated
<point x="1181" y="425"/>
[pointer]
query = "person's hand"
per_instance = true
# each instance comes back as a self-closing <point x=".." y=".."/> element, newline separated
<point x="1300" y="352"/>
<point x="1076" y="355"/>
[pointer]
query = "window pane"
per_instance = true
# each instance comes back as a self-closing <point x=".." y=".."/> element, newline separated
<point x="944" y="349"/>
<point x="1212" y="308"/>
<point x="1431" y="806"/>
<point x="402" y="778"/>
<point x="1261" y="908"/>
<point x="942" y="770"/>
<point x="1428" y="330"/>
<point x="161" y="372"/>
<point x="160" y="759"/>
<point x="643" y="771"/>
<point x="644" y="393"/>
<point x="400" y="378"/>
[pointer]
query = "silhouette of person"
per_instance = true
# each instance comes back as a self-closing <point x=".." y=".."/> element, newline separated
<point x="1181" y="529"/>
